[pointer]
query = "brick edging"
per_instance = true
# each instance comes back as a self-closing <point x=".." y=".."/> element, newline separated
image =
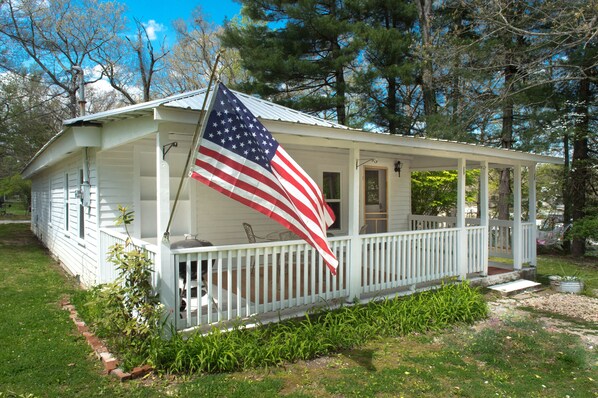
<point x="108" y="360"/>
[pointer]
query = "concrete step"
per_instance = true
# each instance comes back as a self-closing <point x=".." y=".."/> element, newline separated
<point x="515" y="287"/>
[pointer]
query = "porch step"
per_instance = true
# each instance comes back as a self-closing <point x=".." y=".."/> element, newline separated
<point x="515" y="287"/>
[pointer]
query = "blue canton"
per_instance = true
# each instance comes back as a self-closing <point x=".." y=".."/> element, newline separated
<point x="232" y="126"/>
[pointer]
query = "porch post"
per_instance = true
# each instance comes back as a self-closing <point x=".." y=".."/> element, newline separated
<point x="354" y="266"/>
<point x="164" y="268"/>
<point x="517" y="236"/>
<point x="484" y="216"/>
<point x="462" y="234"/>
<point x="532" y="212"/>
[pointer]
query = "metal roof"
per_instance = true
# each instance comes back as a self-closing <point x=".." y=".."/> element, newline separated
<point x="193" y="100"/>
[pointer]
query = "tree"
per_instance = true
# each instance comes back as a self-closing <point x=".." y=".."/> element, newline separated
<point x="131" y="63"/>
<point x="29" y="116"/>
<point x="435" y="192"/>
<point x="57" y="36"/>
<point x="386" y="81"/>
<point x="297" y="52"/>
<point x="194" y="53"/>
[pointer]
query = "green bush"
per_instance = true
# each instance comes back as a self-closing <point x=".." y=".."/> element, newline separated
<point x="319" y="333"/>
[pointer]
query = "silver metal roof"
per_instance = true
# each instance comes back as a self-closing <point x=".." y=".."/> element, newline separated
<point x="193" y="100"/>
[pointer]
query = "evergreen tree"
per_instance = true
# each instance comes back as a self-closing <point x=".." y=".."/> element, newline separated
<point x="386" y="80"/>
<point x="297" y="52"/>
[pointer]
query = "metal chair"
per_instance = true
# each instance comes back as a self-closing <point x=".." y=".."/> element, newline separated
<point x="252" y="237"/>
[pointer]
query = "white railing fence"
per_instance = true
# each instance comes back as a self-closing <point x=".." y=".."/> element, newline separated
<point x="392" y="260"/>
<point x="500" y="232"/>
<point x="215" y="284"/>
<point x="528" y="241"/>
<point x="108" y="238"/>
<point x="477" y="251"/>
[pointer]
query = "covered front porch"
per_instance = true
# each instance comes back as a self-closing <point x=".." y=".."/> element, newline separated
<point x="284" y="278"/>
<point x="382" y="248"/>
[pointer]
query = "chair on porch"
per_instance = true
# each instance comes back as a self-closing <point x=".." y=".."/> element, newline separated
<point x="363" y="229"/>
<point x="253" y="238"/>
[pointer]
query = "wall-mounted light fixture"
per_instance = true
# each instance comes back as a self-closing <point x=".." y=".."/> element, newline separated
<point x="398" y="167"/>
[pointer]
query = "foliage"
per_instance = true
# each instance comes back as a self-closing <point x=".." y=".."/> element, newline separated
<point x="435" y="192"/>
<point x="16" y="186"/>
<point x="127" y="311"/>
<point x="319" y="333"/>
<point x="586" y="228"/>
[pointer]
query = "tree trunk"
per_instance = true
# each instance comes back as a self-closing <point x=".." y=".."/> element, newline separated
<point x="424" y="10"/>
<point x="579" y="166"/>
<point x="566" y="190"/>
<point x="504" y="189"/>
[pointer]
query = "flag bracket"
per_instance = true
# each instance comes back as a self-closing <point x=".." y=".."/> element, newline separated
<point x="168" y="147"/>
<point x="360" y="162"/>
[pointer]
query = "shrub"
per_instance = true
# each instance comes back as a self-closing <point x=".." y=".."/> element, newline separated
<point x="319" y="333"/>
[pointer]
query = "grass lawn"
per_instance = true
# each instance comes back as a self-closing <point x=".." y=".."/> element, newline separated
<point x="14" y="211"/>
<point x="41" y="354"/>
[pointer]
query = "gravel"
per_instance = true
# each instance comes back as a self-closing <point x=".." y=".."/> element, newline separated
<point x="572" y="305"/>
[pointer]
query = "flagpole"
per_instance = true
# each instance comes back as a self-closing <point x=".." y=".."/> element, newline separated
<point x="199" y="129"/>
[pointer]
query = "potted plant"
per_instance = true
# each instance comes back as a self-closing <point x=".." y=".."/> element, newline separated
<point x="566" y="283"/>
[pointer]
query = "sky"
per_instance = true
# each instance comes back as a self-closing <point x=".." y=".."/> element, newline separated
<point x="157" y="15"/>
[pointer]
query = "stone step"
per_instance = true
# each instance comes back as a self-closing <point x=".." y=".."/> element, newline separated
<point x="515" y="287"/>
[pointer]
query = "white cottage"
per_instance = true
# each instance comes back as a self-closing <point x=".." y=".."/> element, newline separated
<point x="134" y="156"/>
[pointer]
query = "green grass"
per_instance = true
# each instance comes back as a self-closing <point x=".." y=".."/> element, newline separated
<point x="15" y="211"/>
<point x="41" y="354"/>
<point x="585" y="268"/>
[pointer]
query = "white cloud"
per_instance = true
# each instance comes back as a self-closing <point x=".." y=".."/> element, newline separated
<point x="152" y="28"/>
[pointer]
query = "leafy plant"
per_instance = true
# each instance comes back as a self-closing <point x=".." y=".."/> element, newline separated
<point x="127" y="311"/>
<point x="319" y="333"/>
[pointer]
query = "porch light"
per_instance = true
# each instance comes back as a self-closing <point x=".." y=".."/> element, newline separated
<point x="398" y="167"/>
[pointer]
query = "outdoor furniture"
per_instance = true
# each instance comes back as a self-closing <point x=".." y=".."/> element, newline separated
<point x="253" y="238"/>
<point x="191" y="241"/>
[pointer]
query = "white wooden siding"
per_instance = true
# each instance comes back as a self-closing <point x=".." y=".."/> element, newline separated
<point x="78" y="256"/>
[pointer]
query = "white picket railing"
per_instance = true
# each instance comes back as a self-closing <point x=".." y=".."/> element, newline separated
<point x="529" y="242"/>
<point x="216" y="284"/>
<point x="499" y="231"/>
<point x="477" y="250"/>
<point x="392" y="260"/>
<point x="109" y="238"/>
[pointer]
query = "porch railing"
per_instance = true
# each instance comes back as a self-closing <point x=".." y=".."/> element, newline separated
<point x="528" y="241"/>
<point x="108" y="238"/>
<point x="392" y="260"/>
<point x="215" y="284"/>
<point x="477" y="251"/>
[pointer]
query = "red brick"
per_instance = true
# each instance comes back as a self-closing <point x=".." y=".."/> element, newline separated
<point x="110" y="363"/>
<point x="141" y="371"/>
<point x="122" y="376"/>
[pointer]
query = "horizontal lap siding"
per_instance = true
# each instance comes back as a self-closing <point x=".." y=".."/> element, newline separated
<point x="116" y="176"/>
<point x="78" y="256"/>
<point x="219" y="218"/>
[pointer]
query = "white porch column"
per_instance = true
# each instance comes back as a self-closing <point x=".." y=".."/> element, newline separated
<point x="462" y="236"/>
<point x="532" y="212"/>
<point x="164" y="267"/>
<point x="354" y="271"/>
<point x="484" y="213"/>
<point x="517" y="236"/>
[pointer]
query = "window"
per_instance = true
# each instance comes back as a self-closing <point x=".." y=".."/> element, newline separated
<point x="332" y="195"/>
<point x="81" y="208"/>
<point x="66" y="202"/>
<point x="372" y="187"/>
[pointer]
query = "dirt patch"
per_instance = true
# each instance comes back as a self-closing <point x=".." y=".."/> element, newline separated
<point x="572" y="306"/>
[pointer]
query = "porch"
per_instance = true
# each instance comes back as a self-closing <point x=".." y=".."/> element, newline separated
<point x="287" y="278"/>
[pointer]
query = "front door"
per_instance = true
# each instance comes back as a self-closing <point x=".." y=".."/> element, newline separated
<point x="376" y="209"/>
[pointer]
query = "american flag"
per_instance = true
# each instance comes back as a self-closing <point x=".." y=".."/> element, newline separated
<point x="238" y="157"/>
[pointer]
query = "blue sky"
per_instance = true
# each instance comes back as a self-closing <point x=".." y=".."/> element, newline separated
<point x="163" y="12"/>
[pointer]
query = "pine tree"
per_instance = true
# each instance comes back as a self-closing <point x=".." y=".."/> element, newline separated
<point x="297" y="52"/>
